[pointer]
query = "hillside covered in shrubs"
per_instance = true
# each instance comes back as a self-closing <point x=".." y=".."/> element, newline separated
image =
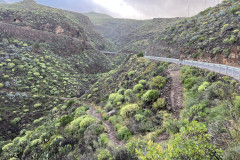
<point x="136" y="102"/>
<point x="32" y="77"/>
<point x="60" y="98"/>
<point x="29" y="14"/>
<point x="212" y="35"/>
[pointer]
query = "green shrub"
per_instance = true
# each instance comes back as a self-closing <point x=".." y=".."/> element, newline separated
<point x="1" y="85"/>
<point x="64" y="107"/>
<point x="121" y="91"/>
<point x="66" y="119"/>
<point x="15" y="121"/>
<point x="139" y="117"/>
<point x="203" y="86"/>
<point x="143" y="82"/>
<point x="232" y="39"/>
<point x="54" y="110"/>
<point x="113" y="119"/>
<point x="129" y="95"/>
<point x="197" y="111"/>
<point x="140" y="54"/>
<point x="236" y="109"/>
<point x="226" y="53"/>
<point x="104" y="154"/>
<point x="11" y="65"/>
<point x="79" y="112"/>
<point x="75" y="124"/>
<point x="37" y="105"/>
<point x="104" y="139"/>
<point x="159" y="104"/>
<point x="236" y="31"/>
<point x="192" y="142"/>
<point x="89" y="96"/>
<point x="115" y="98"/>
<point x="138" y="87"/>
<point x="224" y="27"/>
<point x="134" y="144"/>
<point x="5" y="41"/>
<point x="129" y="110"/>
<point x="36" y="74"/>
<point x="234" y="9"/>
<point x="226" y="78"/>
<point x="158" y="82"/>
<point x="232" y="153"/>
<point x="87" y="122"/>
<point x="123" y="133"/>
<point x="95" y="89"/>
<point x="216" y="50"/>
<point x="150" y="96"/>
<point x="148" y="112"/>
<point x="109" y="106"/>
<point x="131" y="73"/>
<point x="194" y="55"/>
<point x="37" y="121"/>
<point x="25" y="45"/>
<point x="190" y="82"/>
<point x="70" y="103"/>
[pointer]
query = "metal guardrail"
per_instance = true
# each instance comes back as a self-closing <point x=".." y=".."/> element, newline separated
<point x="106" y="52"/>
<point x="220" y="68"/>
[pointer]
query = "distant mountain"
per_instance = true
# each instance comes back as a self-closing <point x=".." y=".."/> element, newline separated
<point x="28" y="13"/>
<point x="98" y="16"/>
<point x="213" y="35"/>
<point x="140" y="39"/>
<point x="128" y="35"/>
<point x="2" y="2"/>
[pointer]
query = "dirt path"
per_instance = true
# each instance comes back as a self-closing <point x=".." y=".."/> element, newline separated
<point x="111" y="133"/>
<point x="176" y="93"/>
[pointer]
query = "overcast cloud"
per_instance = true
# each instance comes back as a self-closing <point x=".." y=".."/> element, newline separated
<point x="137" y="9"/>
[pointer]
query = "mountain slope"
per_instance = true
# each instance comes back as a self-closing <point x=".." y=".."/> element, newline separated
<point x="114" y="29"/>
<point x="129" y="35"/>
<point x="139" y="39"/>
<point x="212" y="35"/>
<point x="28" y="13"/>
<point x="41" y="68"/>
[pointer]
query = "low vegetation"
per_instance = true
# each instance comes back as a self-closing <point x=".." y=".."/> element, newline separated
<point x="45" y="96"/>
<point x="213" y="33"/>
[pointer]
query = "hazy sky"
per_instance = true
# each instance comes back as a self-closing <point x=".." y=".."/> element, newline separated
<point x="137" y="9"/>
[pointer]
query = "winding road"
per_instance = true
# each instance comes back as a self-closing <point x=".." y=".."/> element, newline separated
<point x="231" y="71"/>
<point x="219" y="68"/>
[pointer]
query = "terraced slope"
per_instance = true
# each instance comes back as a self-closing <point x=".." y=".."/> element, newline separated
<point x="213" y="35"/>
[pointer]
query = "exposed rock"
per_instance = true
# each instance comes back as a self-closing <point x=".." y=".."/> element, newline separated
<point x="111" y="113"/>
